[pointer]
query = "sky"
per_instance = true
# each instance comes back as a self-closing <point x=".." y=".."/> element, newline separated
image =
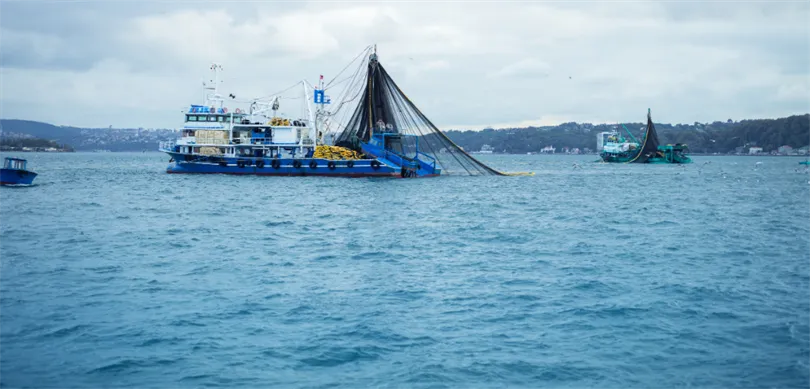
<point x="466" y="65"/>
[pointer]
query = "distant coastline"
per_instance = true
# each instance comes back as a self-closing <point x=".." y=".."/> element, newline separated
<point x="783" y="136"/>
<point x="35" y="150"/>
<point x="31" y="144"/>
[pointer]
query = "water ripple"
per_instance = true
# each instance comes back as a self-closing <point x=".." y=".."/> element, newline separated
<point x="113" y="273"/>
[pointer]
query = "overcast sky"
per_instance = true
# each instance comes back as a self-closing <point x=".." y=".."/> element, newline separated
<point x="466" y="65"/>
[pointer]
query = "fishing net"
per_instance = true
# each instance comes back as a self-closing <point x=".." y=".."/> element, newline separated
<point x="383" y="107"/>
<point x="649" y="145"/>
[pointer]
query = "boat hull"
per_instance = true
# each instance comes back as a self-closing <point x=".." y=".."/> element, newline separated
<point x="361" y="168"/>
<point x="623" y="158"/>
<point x="16" y="177"/>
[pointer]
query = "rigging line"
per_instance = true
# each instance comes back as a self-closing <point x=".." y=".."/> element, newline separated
<point x="355" y="119"/>
<point x="345" y="113"/>
<point x="278" y="93"/>
<point x="408" y="116"/>
<point x="327" y="87"/>
<point x="447" y="142"/>
<point x="345" y="92"/>
<point x="342" y="116"/>
<point x="351" y="87"/>
<point x="365" y="51"/>
<point x="347" y="65"/>
<point x="399" y="103"/>
<point x="442" y="135"/>
<point x="339" y="115"/>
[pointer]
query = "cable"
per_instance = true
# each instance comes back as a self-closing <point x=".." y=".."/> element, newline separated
<point x="349" y="64"/>
<point x="278" y="93"/>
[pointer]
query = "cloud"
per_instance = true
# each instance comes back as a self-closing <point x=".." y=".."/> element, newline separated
<point x="465" y="64"/>
<point x="524" y="68"/>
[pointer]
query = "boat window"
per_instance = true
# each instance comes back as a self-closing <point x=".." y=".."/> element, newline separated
<point x="190" y="118"/>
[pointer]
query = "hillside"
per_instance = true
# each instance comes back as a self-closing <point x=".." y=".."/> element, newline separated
<point x="31" y="144"/>
<point x="88" y="139"/>
<point x="718" y="137"/>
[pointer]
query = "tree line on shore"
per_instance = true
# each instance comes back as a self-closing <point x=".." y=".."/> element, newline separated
<point x="718" y="137"/>
<point x="31" y="144"/>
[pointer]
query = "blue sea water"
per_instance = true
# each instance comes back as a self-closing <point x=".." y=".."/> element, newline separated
<point x="115" y="274"/>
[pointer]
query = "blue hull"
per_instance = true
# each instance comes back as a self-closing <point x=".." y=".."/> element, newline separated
<point x="16" y="177"/>
<point x="287" y="167"/>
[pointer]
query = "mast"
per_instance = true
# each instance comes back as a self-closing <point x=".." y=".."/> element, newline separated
<point x="313" y="120"/>
<point x="372" y="60"/>
<point x="213" y="97"/>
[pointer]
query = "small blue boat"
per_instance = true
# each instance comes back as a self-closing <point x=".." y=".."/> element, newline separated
<point x="14" y="172"/>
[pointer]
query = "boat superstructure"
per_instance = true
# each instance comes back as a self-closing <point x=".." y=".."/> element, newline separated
<point x="258" y="140"/>
<point x="386" y="134"/>
<point x="614" y="147"/>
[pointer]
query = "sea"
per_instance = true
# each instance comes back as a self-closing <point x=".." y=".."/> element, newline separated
<point x="115" y="274"/>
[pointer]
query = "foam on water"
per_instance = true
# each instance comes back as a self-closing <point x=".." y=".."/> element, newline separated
<point x="117" y="274"/>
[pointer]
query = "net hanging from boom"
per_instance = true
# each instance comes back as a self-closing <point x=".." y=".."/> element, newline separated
<point x="649" y="147"/>
<point x="383" y="107"/>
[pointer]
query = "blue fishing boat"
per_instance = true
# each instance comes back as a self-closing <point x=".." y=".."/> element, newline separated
<point x="386" y="136"/>
<point x="14" y="172"/>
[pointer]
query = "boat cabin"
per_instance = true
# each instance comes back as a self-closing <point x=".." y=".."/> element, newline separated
<point x="400" y="144"/>
<point x="15" y="164"/>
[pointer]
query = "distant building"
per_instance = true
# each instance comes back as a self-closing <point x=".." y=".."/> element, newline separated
<point x="548" y="149"/>
<point x="487" y="149"/>
<point x="755" y="150"/>
<point x="785" y="150"/>
<point x="803" y="150"/>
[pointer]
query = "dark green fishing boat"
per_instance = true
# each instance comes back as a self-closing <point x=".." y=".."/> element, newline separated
<point x="614" y="147"/>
